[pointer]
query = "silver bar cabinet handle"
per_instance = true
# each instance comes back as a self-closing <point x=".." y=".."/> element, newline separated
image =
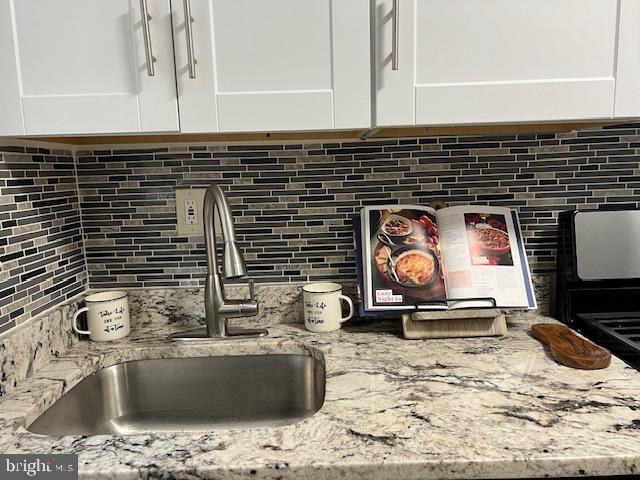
<point x="188" y="29"/>
<point x="148" y="49"/>
<point x="395" y="32"/>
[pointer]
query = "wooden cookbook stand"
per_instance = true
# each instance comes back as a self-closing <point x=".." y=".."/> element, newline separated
<point x="476" y="322"/>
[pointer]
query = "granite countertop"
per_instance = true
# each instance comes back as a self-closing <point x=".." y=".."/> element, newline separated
<point x="463" y="408"/>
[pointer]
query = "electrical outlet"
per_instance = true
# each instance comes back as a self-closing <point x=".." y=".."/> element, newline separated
<point x="189" y="203"/>
<point x="189" y="210"/>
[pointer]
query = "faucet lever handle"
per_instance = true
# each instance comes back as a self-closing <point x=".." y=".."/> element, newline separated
<point x="252" y="290"/>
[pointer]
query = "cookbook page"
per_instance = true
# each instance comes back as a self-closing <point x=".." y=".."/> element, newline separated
<point x="484" y="256"/>
<point x="401" y="259"/>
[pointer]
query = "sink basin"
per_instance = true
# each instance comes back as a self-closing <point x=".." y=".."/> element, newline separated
<point x="189" y="394"/>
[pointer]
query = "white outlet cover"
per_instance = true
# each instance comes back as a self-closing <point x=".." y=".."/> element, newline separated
<point x="194" y="196"/>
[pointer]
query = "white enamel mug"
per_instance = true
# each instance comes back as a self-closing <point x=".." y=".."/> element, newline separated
<point x="107" y="316"/>
<point x="322" y="309"/>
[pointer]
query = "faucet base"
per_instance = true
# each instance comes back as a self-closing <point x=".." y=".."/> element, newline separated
<point x="233" y="333"/>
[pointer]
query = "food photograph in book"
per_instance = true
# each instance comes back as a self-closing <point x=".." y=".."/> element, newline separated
<point x="406" y="261"/>
<point x="488" y="238"/>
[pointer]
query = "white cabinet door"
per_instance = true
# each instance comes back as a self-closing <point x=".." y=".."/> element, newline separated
<point x="627" y="102"/>
<point x="490" y="61"/>
<point x="273" y="65"/>
<point x="78" y="66"/>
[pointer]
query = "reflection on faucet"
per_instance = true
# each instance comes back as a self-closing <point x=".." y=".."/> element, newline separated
<point x="218" y="308"/>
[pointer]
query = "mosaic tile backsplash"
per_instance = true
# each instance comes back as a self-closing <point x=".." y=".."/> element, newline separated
<point x="294" y="202"/>
<point x="41" y="257"/>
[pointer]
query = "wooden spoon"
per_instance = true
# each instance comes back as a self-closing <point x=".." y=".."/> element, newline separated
<point x="570" y="349"/>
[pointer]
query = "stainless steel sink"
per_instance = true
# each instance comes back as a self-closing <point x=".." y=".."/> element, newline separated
<point x="189" y="394"/>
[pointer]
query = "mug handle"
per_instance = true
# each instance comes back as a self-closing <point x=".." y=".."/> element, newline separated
<point x="75" y="322"/>
<point x="350" y="303"/>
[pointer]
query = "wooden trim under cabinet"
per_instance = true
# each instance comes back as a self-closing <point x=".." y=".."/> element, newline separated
<point x="377" y="133"/>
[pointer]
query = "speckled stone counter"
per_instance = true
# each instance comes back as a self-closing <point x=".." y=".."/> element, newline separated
<point x="394" y="409"/>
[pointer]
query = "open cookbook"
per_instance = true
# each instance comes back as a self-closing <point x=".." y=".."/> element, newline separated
<point x="455" y="257"/>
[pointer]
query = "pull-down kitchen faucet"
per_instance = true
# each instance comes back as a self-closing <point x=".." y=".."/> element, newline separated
<point x="217" y="307"/>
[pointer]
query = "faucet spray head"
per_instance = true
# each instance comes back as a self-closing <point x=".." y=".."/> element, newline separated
<point x="232" y="261"/>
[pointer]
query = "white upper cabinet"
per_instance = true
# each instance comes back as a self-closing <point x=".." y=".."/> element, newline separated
<point x="11" y="122"/>
<point x="74" y="67"/>
<point x="79" y="66"/>
<point x="489" y="61"/>
<point x="628" y="67"/>
<point x="248" y="65"/>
